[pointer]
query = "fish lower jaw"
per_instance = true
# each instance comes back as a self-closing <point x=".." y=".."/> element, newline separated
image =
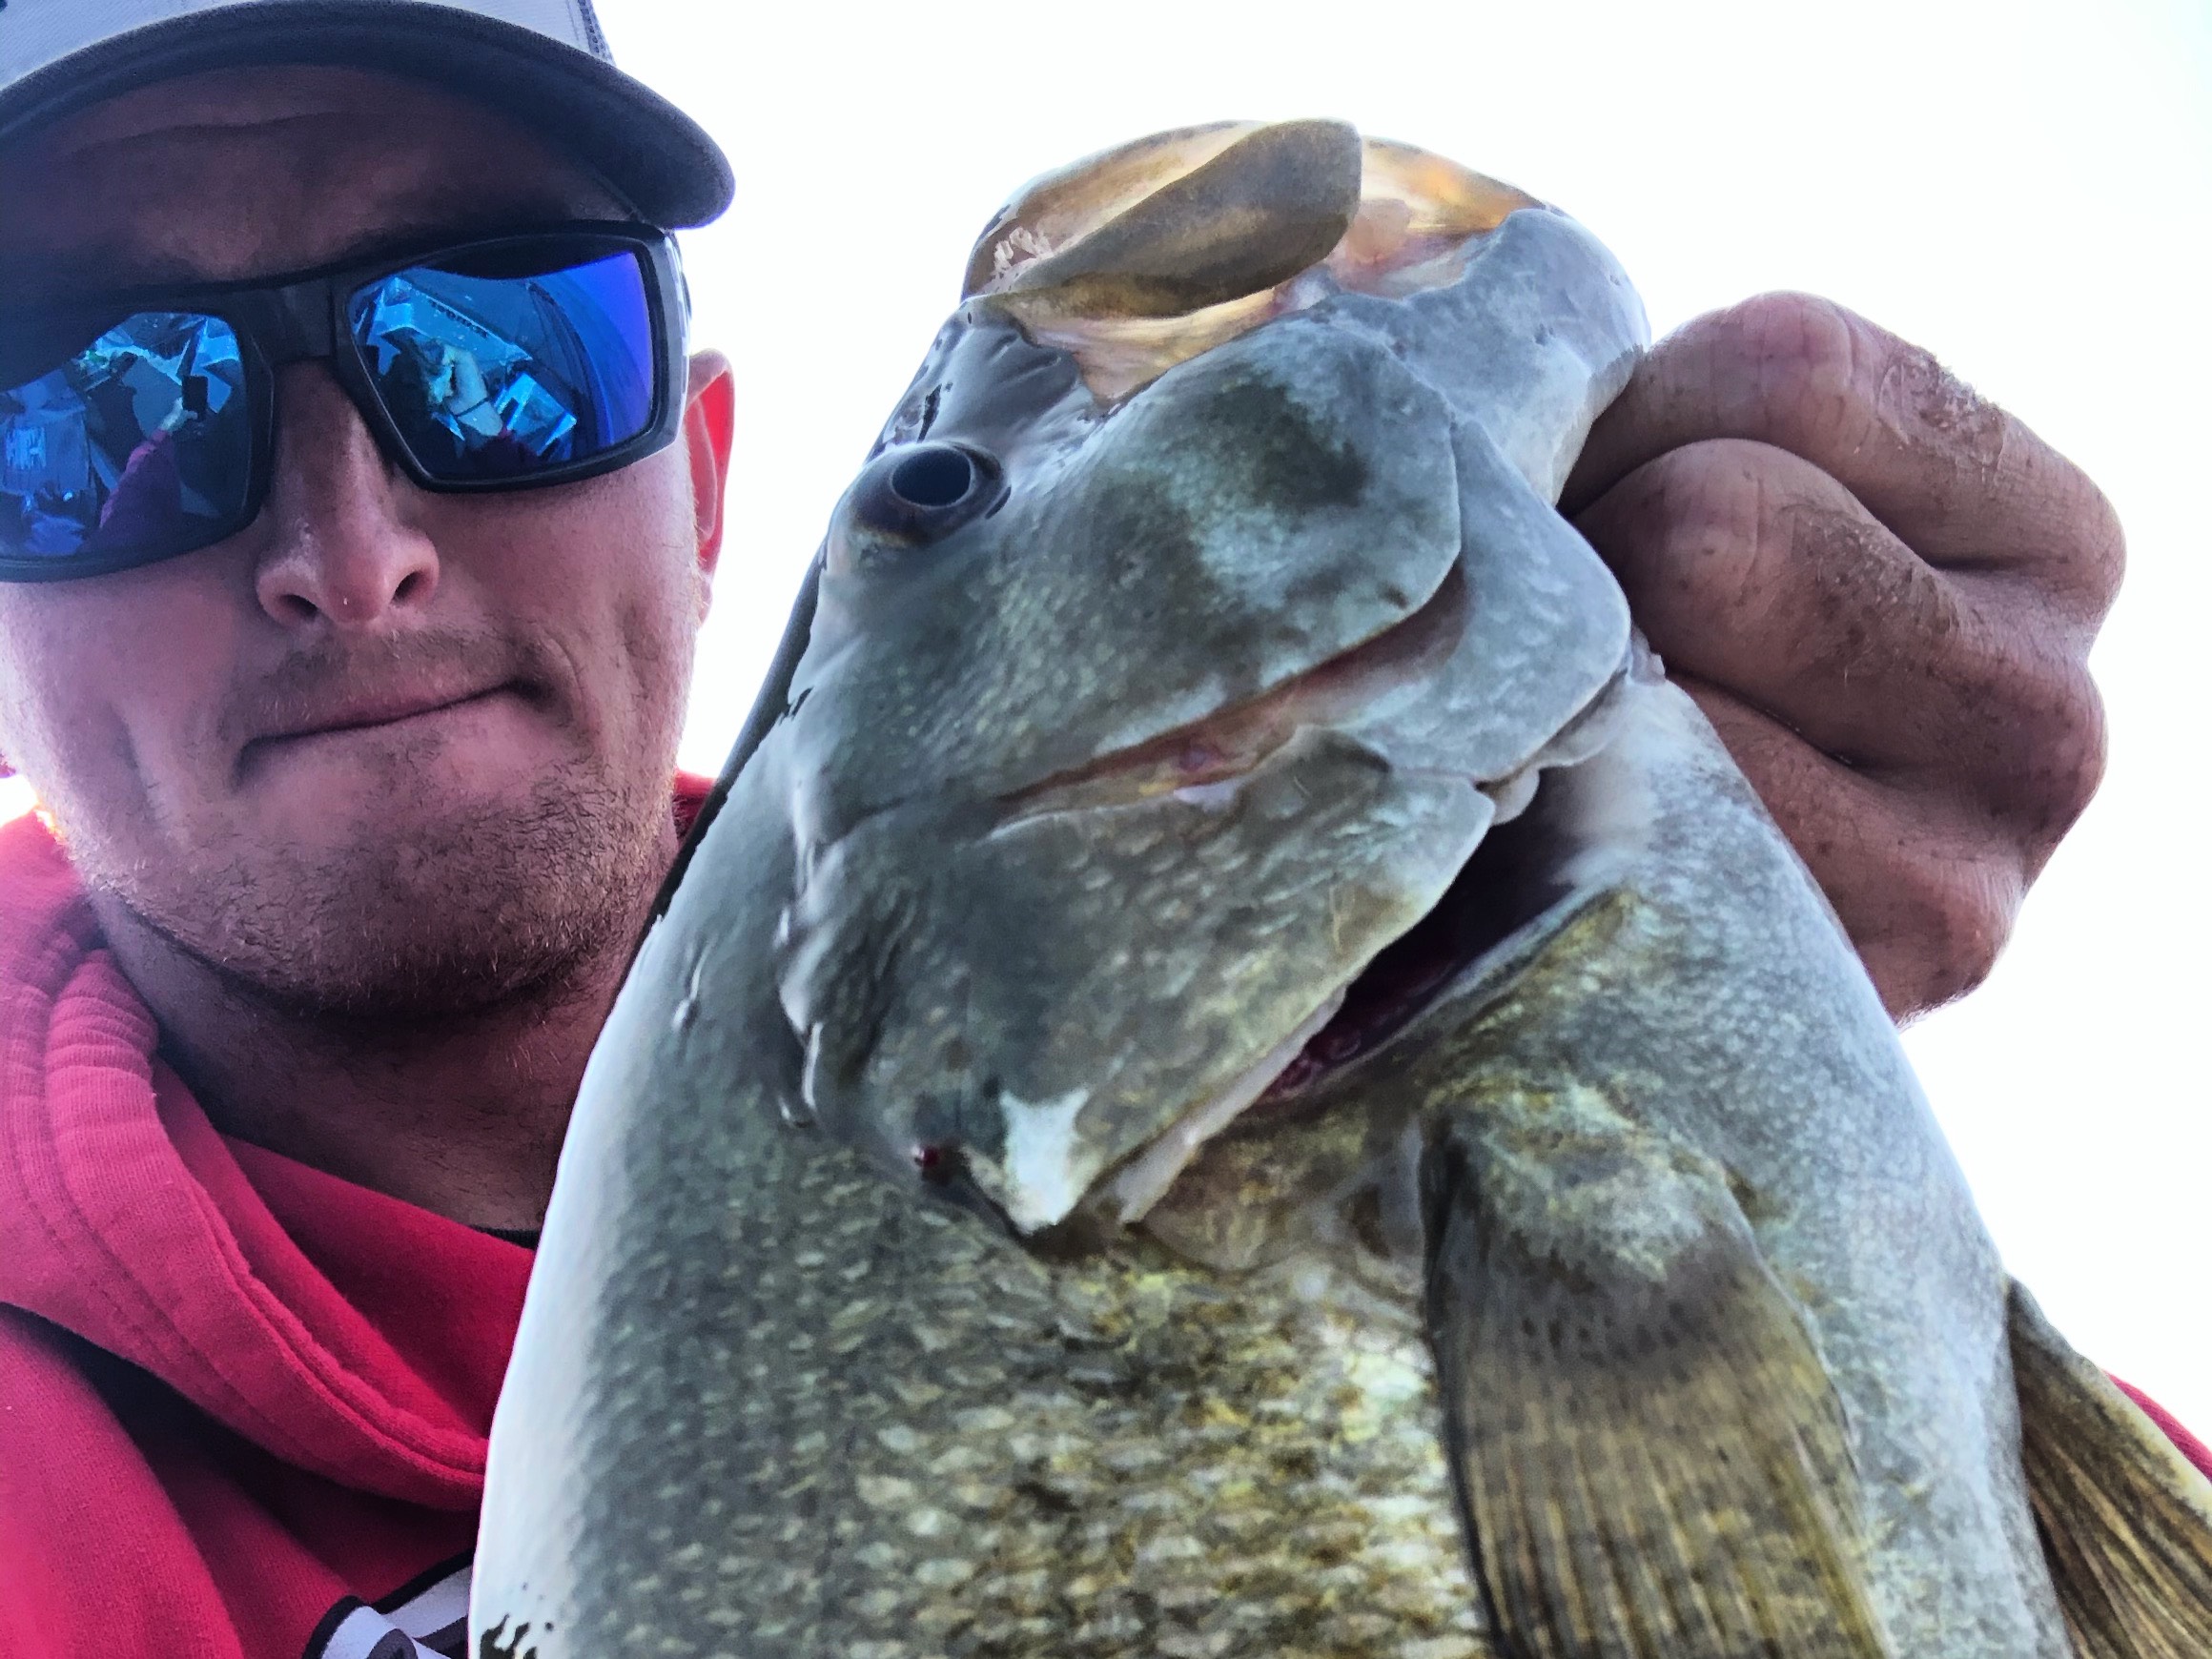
<point x="1299" y="1060"/>
<point x="1560" y="829"/>
<point x="1144" y="1180"/>
<point x="1039" y="1181"/>
<point x="1550" y="845"/>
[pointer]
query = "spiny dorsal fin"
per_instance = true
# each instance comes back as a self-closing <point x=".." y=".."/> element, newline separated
<point x="2126" y="1520"/>
<point x="1272" y="204"/>
<point x="1652" y="1454"/>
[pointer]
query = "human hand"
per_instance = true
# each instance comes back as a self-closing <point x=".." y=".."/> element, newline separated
<point x="1882" y="590"/>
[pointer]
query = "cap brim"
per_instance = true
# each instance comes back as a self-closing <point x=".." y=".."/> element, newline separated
<point x="660" y="159"/>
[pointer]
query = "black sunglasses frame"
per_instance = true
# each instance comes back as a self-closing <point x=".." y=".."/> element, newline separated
<point x="303" y="318"/>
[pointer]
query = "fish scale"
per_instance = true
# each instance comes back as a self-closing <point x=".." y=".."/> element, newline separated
<point x="1300" y="1105"/>
<point x="1007" y="1452"/>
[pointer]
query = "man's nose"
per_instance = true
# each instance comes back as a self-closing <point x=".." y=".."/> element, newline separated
<point x="344" y="550"/>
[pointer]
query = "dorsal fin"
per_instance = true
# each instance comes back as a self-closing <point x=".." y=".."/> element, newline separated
<point x="2126" y="1520"/>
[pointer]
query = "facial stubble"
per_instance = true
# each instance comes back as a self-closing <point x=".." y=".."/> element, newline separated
<point x="416" y="916"/>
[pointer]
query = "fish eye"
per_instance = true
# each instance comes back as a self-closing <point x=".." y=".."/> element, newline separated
<point x="939" y="475"/>
<point x="911" y="497"/>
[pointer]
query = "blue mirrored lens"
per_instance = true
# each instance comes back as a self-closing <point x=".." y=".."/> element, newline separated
<point x="139" y="445"/>
<point x="490" y="376"/>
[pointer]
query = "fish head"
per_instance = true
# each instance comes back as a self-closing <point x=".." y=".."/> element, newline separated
<point x="1115" y="751"/>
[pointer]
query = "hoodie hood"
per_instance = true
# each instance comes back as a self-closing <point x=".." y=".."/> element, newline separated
<point x="344" y="1332"/>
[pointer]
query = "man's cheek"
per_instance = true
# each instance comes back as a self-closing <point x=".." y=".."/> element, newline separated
<point x="29" y="745"/>
<point x="657" y="632"/>
<point x="13" y="660"/>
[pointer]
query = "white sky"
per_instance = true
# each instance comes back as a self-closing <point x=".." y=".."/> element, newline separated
<point x="2024" y="187"/>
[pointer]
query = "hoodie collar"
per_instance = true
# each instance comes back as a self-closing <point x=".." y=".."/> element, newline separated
<point x="343" y="1331"/>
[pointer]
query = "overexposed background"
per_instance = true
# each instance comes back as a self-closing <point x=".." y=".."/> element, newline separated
<point x="2026" y="187"/>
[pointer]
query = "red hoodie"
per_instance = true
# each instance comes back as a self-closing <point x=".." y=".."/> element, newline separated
<point x="242" y="1404"/>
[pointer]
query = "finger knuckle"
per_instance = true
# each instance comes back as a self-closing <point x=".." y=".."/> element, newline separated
<point x="1696" y="527"/>
<point x="2070" y="765"/>
<point x="1715" y="496"/>
<point x="2101" y="548"/>
<point x="1954" y="915"/>
<point x="1869" y="605"/>
<point x="1805" y="355"/>
<point x="2067" y="550"/>
<point x="2022" y="743"/>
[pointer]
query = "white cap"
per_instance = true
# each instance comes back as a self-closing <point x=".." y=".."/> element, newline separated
<point x="544" y="63"/>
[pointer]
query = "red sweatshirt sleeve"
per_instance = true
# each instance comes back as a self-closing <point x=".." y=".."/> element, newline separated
<point x="2186" y="1443"/>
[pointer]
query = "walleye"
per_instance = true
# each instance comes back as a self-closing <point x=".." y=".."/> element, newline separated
<point x="1232" y="1072"/>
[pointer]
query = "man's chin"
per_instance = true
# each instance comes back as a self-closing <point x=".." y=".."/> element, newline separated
<point x="421" y="907"/>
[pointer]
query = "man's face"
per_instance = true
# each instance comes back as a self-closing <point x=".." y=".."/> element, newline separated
<point x="385" y="752"/>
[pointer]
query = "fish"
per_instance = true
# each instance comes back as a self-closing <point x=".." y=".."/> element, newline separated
<point x="1232" y="1070"/>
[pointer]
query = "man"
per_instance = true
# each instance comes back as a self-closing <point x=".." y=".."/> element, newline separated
<point x="356" y="511"/>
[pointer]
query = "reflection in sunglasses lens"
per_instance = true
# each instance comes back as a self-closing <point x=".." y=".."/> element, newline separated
<point x="140" y="443"/>
<point x="494" y="377"/>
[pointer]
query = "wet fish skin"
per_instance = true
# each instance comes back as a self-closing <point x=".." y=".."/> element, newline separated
<point x="1702" y="1053"/>
<point x="816" y="1417"/>
<point x="665" y="1450"/>
<point x="1257" y="512"/>
<point x="1609" y="1088"/>
<point x="1626" y="1301"/>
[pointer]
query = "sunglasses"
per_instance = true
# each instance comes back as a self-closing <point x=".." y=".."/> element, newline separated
<point x="137" y="428"/>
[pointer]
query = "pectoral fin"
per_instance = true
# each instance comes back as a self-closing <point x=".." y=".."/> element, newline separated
<point x="2126" y="1520"/>
<point x="1651" y="1456"/>
<point x="1272" y="204"/>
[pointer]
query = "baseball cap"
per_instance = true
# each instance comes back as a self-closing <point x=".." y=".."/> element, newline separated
<point x="544" y="63"/>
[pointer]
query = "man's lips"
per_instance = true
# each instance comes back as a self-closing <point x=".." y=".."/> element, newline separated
<point x="368" y="713"/>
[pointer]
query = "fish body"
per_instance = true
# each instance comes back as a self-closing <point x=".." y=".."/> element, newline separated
<point x="1235" y="1072"/>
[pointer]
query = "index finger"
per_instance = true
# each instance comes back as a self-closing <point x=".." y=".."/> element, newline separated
<point x="1961" y="482"/>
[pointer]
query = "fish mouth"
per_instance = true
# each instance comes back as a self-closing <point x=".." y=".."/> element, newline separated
<point x="1198" y="761"/>
<point x="1540" y="852"/>
<point x="1203" y="763"/>
<point x="1522" y="869"/>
